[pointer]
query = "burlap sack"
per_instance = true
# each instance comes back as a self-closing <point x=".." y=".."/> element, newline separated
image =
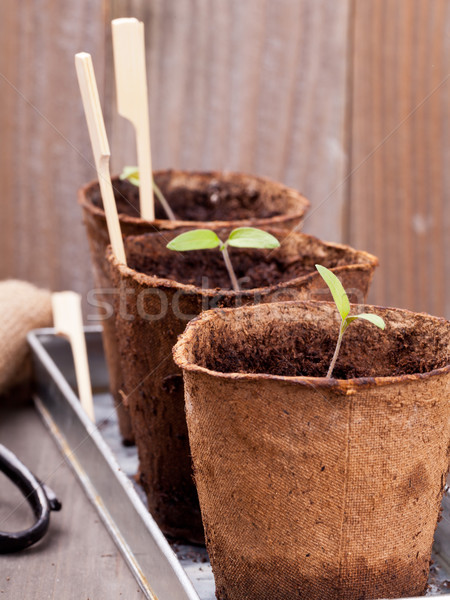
<point x="195" y="198"/>
<point x="160" y="292"/>
<point x="23" y="307"/>
<point x="310" y="487"/>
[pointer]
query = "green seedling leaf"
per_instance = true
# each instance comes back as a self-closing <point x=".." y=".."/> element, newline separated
<point x="243" y="237"/>
<point x="343" y="305"/>
<point x="132" y="174"/>
<point x="249" y="237"/>
<point x="337" y="291"/>
<point x="198" y="239"/>
<point x="374" y="319"/>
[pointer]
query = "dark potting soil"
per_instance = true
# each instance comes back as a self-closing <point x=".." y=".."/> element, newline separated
<point x="206" y="268"/>
<point x="296" y="257"/>
<point x="216" y="203"/>
<point x="306" y="350"/>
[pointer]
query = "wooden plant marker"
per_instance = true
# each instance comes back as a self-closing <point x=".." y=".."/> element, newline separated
<point x="68" y="322"/>
<point x="100" y="148"/>
<point x="132" y="100"/>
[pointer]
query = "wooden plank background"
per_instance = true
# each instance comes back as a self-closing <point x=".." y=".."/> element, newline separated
<point x="346" y="101"/>
<point x="399" y="200"/>
<point x="44" y="149"/>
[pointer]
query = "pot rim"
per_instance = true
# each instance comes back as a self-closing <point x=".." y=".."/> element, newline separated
<point x="166" y="224"/>
<point x="344" y="386"/>
<point x="155" y="281"/>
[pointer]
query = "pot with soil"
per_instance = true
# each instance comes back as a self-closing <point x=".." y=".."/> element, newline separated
<point x="312" y="487"/>
<point x="223" y="199"/>
<point x="161" y="291"/>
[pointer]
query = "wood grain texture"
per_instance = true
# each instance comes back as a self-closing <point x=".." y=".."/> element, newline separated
<point x="399" y="184"/>
<point x="76" y="559"/>
<point x="233" y="85"/>
<point x="346" y="101"/>
<point x="255" y="86"/>
<point x="44" y="145"/>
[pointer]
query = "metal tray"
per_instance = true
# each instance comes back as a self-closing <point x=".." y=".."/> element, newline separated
<point x="106" y="470"/>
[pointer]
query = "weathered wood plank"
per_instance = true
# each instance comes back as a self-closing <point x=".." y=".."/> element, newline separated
<point x="233" y="85"/>
<point x="253" y="86"/>
<point x="256" y="86"/>
<point x="45" y="150"/>
<point x="77" y="558"/>
<point x="399" y="186"/>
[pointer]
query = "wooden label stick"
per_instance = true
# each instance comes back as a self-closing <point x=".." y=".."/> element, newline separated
<point x="132" y="100"/>
<point x="68" y="322"/>
<point x="100" y="148"/>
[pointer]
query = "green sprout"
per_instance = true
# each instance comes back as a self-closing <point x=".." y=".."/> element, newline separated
<point x="243" y="237"/>
<point x="343" y="305"/>
<point x="132" y="175"/>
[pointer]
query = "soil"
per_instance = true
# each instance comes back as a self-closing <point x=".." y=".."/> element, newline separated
<point x="301" y="349"/>
<point x="216" y="203"/>
<point x="295" y="258"/>
<point x="255" y="268"/>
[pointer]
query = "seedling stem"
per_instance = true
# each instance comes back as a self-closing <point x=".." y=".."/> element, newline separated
<point x="229" y="266"/>
<point x="336" y="351"/>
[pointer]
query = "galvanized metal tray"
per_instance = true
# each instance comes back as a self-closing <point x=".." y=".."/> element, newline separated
<point x="106" y="470"/>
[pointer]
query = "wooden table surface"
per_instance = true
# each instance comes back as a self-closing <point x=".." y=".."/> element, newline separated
<point x="76" y="560"/>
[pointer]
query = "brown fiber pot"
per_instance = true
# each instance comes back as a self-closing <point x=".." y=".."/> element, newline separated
<point x="326" y="489"/>
<point x="224" y="198"/>
<point x="161" y="291"/>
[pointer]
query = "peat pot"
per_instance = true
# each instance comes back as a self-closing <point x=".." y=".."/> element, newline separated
<point x="232" y="199"/>
<point x="160" y="291"/>
<point x="326" y="489"/>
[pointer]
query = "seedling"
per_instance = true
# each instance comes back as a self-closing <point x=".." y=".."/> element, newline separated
<point x="343" y="305"/>
<point x="132" y="174"/>
<point x="243" y="237"/>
